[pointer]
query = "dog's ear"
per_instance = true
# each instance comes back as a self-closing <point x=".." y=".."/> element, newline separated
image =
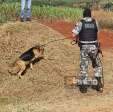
<point x="36" y="45"/>
<point x="39" y="47"/>
<point x="42" y="48"/>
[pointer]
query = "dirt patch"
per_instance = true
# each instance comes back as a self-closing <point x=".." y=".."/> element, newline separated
<point x="42" y="89"/>
<point x="65" y="28"/>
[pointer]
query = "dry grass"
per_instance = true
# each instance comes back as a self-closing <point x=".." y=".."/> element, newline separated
<point x="102" y="14"/>
<point x="105" y="19"/>
<point x="42" y="89"/>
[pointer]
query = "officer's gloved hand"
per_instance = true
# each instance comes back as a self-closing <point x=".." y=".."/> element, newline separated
<point x="74" y="42"/>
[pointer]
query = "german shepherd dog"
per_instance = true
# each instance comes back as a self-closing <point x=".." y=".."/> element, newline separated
<point x="28" y="58"/>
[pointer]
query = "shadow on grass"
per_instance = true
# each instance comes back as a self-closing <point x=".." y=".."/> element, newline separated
<point x="34" y="62"/>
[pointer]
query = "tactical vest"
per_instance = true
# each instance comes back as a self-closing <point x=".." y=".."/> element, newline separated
<point x="89" y="31"/>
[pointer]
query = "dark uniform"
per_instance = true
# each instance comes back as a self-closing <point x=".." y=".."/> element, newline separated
<point x="89" y="48"/>
<point x="87" y="30"/>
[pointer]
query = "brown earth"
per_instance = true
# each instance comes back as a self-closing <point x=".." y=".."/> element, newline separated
<point x="65" y="28"/>
<point x="42" y="89"/>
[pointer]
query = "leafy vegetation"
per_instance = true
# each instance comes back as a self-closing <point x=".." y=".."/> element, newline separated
<point x="11" y="11"/>
<point x="65" y="13"/>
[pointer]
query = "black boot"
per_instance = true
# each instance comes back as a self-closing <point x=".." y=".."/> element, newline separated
<point x="83" y="88"/>
<point x="28" y="19"/>
<point x="82" y="84"/>
<point x="99" y="86"/>
<point x="22" y="19"/>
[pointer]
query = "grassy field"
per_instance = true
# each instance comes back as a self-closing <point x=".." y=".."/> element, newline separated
<point x="11" y="12"/>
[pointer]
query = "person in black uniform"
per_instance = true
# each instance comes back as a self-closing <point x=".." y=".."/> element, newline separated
<point x="27" y="58"/>
<point x="87" y="32"/>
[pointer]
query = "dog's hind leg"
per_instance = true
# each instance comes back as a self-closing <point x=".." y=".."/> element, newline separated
<point x="22" y="68"/>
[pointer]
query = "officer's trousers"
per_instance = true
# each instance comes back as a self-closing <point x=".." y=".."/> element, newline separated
<point x="89" y="53"/>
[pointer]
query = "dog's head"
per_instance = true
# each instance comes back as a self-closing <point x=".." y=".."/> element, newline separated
<point x="38" y="51"/>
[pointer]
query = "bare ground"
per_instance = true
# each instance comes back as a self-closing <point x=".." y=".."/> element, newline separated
<point x="42" y="89"/>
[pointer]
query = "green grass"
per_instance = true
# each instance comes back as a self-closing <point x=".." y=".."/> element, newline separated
<point x="11" y="11"/>
<point x="63" y="13"/>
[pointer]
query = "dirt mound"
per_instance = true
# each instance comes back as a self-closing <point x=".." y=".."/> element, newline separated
<point x="46" y="79"/>
<point x="42" y="89"/>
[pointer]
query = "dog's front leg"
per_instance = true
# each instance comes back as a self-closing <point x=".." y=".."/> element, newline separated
<point x="31" y="65"/>
<point x="20" y="74"/>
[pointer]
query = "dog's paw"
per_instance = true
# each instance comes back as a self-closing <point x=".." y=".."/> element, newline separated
<point x="11" y="72"/>
<point x="31" y="66"/>
<point x="20" y="77"/>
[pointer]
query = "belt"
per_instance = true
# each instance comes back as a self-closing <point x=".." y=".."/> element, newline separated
<point x="88" y="42"/>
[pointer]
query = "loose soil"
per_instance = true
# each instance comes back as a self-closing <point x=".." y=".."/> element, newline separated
<point x="42" y="89"/>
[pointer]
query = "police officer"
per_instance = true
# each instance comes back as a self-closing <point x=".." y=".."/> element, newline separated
<point x="87" y="31"/>
<point x="25" y="10"/>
